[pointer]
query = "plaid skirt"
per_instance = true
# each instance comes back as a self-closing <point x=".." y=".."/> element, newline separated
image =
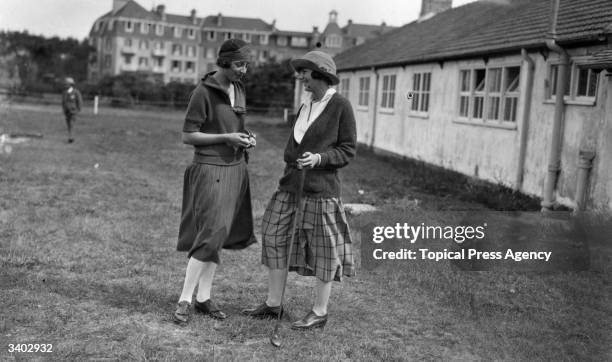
<point x="322" y="244"/>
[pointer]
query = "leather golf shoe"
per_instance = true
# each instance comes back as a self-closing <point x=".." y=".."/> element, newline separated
<point x="263" y="311"/>
<point x="210" y="308"/>
<point x="181" y="315"/>
<point x="310" y="321"/>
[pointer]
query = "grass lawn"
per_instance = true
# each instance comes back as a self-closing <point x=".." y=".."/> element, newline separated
<point x="88" y="262"/>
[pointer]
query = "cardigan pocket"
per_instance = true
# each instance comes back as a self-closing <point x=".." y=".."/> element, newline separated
<point x="315" y="181"/>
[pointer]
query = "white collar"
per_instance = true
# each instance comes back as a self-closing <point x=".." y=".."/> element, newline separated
<point x="328" y="94"/>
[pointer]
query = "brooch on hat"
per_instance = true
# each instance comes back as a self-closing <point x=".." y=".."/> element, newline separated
<point x="324" y="69"/>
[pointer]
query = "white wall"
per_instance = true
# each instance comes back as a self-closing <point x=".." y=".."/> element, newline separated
<point x="487" y="152"/>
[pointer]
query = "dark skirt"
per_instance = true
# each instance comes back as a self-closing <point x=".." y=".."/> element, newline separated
<point x="322" y="244"/>
<point x="216" y="211"/>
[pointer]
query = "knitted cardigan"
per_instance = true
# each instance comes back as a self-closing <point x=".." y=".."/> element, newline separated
<point x="333" y="135"/>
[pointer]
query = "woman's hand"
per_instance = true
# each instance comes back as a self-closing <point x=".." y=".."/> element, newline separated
<point x="238" y="139"/>
<point x="308" y="160"/>
<point x="252" y="140"/>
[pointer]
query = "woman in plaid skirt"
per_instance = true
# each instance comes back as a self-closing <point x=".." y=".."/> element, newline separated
<point x="323" y="141"/>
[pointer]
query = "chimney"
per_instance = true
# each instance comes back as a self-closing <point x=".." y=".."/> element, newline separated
<point x="219" y="20"/>
<point x="118" y="4"/>
<point x="333" y="16"/>
<point x="193" y="17"/>
<point x="316" y="37"/>
<point x="347" y="29"/>
<point x="432" y="7"/>
<point x="383" y="27"/>
<point x="161" y="10"/>
<point x="274" y="25"/>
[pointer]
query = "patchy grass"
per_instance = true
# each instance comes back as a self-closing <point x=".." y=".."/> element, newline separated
<point x="88" y="261"/>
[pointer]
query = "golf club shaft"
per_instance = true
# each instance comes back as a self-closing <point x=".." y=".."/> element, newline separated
<point x="296" y="217"/>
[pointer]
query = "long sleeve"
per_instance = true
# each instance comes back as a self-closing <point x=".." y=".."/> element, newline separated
<point x="345" y="147"/>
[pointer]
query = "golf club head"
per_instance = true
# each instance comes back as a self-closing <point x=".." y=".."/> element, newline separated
<point x="275" y="340"/>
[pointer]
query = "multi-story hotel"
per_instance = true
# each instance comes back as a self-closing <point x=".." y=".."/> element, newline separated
<point x="182" y="48"/>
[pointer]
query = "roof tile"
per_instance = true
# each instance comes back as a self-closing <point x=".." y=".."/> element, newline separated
<point x="480" y="27"/>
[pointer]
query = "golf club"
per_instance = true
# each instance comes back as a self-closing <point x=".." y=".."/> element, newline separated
<point x="275" y="338"/>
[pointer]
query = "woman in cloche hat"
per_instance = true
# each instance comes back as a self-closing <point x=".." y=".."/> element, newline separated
<point x="322" y="141"/>
<point x="216" y="212"/>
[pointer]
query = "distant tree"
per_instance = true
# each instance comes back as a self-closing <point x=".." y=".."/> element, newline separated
<point x="270" y="85"/>
<point x="177" y="94"/>
<point x="132" y="88"/>
<point x="43" y="61"/>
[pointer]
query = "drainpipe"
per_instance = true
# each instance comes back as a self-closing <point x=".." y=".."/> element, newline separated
<point x="554" y="159"/>
<point x="375" y="107"/>
<point x="584" y="169"/>
<point x="525" y="120"/>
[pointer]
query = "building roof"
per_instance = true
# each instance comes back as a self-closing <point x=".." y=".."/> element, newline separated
<point x="182" y="19"/>
<point x="365" y="30"/>
<point x="332" y="28"/>
<point x="232" y="22"/>
<point x="133" y="10"/>
<point x="482" y="27"/>
<point x="293" y="33"/>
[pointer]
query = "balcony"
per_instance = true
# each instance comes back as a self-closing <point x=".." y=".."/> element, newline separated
<point x="159" y="52"/>
<point x="128" y="50"/>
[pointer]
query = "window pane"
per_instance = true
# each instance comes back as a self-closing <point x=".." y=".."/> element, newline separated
<point x="383" y="102"/>
<point x="416" y="82"/>
<point x="478" y="106"/>
<point x="479" y="75"/>
<point x="463" y="107"/>
<point x="553" y="79"/>
<point x="512" y="79"/>
<point x="415" y="102"/>
<point x="593" y="77"/>
<point x="493" y="108"/>
<point x="425" y="102"/>
<point x="494" y="80"/>
<point x="427" y="82"/>
<point x="510" y="109"/>
<point x="465" y="80"/>
<point x="583" y="79"/>
<point x="385" y="83"/>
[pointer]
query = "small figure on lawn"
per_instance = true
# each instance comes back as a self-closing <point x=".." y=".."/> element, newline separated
<point x="71" y="104"/>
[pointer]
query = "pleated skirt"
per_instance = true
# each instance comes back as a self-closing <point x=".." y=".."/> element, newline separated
<point x="216" y="211"/>
<point x="322" y="243"/>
